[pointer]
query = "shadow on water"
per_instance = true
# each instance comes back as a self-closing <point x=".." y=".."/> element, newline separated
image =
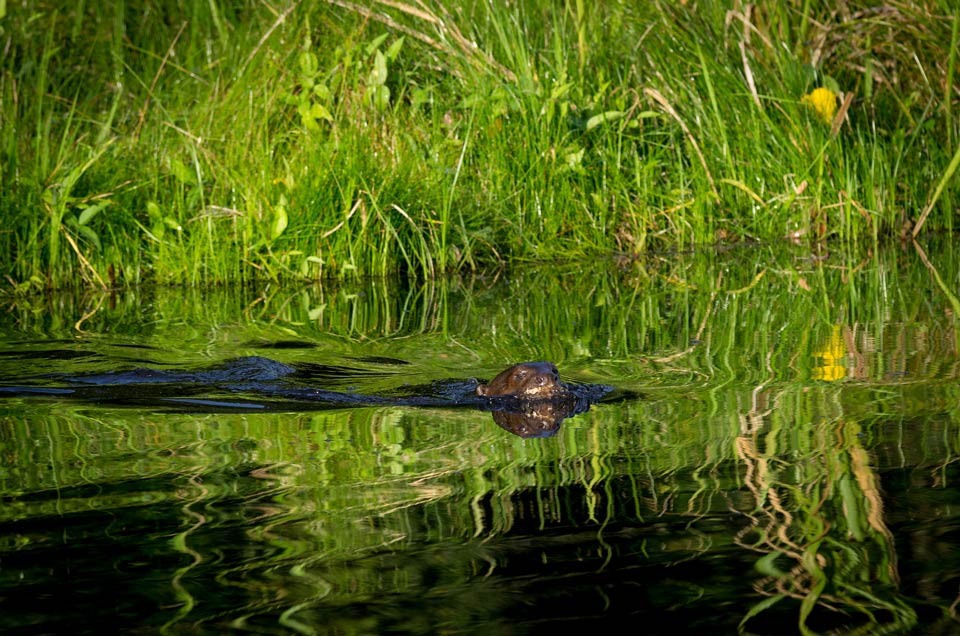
<point x="784" y="462"/>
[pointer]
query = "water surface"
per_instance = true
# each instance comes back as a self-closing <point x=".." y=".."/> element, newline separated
<point x="782" y="460"/>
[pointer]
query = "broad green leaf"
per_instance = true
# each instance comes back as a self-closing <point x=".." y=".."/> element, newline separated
<point x="375" y="43"/>
<point x="279" y="218"/>
<point x="308" y="64"/>
<point x="610" y="115"/>
<point x="306" y="115"/>
<point x="321" y="91"/>
<point x="90" y="235"/>
<point x="381" y="97"/>
<point x="394" y="49"/>
<point x="279" y="222"/>
<point x="379" y="75"/>
<point x="319" y="111"/>
<point x="91" y="211"/>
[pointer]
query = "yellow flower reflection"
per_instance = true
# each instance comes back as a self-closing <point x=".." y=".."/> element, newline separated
<point x="823" y="101"/>
<point x="829" y="358"/>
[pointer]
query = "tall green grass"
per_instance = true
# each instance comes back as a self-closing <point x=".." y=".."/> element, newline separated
<point x="214" y="142"/>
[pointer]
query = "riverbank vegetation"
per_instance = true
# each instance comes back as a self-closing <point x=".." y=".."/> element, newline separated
<point x="210" y="142"/>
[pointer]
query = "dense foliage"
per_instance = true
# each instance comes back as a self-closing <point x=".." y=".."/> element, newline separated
<point x="182" y="142"/>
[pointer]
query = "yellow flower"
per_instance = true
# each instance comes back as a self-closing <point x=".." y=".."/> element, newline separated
<point x="830" y="357"/>
<point x="823" y="101"/>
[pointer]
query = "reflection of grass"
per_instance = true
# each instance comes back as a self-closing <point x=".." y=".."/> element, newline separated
<point x="344" y="139"/>
<point x="332" y="487"/>
<point x="821" y="529"/>
<point x="728" y="352"/>
<point x="740" y="315"/>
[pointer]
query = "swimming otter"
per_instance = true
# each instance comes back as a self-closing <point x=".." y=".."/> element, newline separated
<point x="527" y="380"/>
<point x="527" y="399"/>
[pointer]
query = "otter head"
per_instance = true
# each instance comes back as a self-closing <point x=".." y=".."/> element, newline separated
<point x="528" y="380"/>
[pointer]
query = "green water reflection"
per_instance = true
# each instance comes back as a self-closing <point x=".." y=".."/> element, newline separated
<point x="787" y="467"/>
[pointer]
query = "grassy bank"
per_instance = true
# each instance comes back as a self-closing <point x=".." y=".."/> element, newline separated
<point x="175" y="143"/>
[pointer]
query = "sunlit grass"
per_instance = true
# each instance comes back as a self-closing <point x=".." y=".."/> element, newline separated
<point x="345" y="139"/>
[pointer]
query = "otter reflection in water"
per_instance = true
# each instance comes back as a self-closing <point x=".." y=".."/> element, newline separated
<point x="527" y="399"/>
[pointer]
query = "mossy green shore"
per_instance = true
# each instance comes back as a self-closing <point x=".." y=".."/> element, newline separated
<point x="185" y="142"/>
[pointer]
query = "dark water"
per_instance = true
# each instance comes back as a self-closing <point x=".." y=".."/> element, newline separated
<point x="783" y="459"/>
